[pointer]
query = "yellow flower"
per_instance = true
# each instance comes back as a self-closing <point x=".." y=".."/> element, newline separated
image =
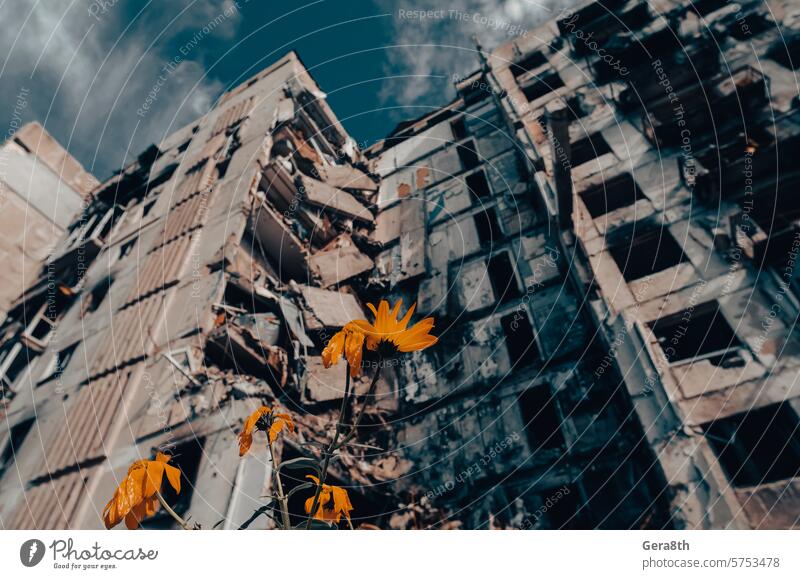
<point x="350" y="342"/>
<point x="275" y="423"/>
<point x="279" y="422"/>
<point x="246" y="435"/>
<point x="386" y="331"/>
<point x="135" y="499"/>
<point x="390" y="333"/>
<point x="333" y="502"/>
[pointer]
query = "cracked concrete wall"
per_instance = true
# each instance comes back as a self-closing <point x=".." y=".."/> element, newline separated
<point x="665" y="149"/>
<point x="147" y="314"/>
<point x="480" y="453"/>
<point x="206" y="278"/>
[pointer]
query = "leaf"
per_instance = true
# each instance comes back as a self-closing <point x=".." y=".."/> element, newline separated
<point x="264" y="510"/>
<point x="300" y="487"/>
<point x="303" y="463"/>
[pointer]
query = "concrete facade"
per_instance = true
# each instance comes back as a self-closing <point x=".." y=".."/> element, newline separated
<point x="42" y="188"/>
<point x="615" y="298"/>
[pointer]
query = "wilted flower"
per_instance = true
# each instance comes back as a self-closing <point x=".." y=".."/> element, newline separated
<point x="263" y="419"/>
<point x="135" y="499"/>
<point x="349" y="341"/>
<point x="333" y="502"/>
<point x="279" y="422"/>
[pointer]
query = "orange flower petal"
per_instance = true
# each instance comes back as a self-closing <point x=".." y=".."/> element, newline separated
<point x="245" y="442"/>
<point x="382" y="319"/>
<point x="387" y="328"/>
<point x="154" y="474"/>
<point x="151" y="506"/>
<point x="137" y="465"/>
<point x="341" y="502"/>
<point x="131" y="522"/>
<point x="333" y="502"/>
<point x="161" y="457"/>
<point x="404" y="322"/>
<point x="396" y="309"/>
<point x="110" y="518"/>
<point x="309" y="503"/>
<point x="275" y="429"/>
<point x="134" y="500"/>
<point x="246" y="435"/>
<point x="174" y="477"/>
<point x="333" y="351"/>
<point x="288" y="419"/>
<point x="354" y="350"/>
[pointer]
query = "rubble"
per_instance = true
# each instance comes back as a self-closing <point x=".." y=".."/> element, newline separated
<point x="329" y="309"/>
<point x="339" y="261"/>
<point x="615" y="315"/>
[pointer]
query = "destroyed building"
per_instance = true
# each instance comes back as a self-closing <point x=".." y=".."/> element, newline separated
<point x="42" y="188"/>
<point x="602" y="238"/>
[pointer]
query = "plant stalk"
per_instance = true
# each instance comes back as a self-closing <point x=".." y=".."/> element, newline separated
<point x="331" y="447"/>
<point x="335" y="445"/>
<point x="172" y="513"/>
<point x="370" y="393"/>
<point x="281" y="496"/>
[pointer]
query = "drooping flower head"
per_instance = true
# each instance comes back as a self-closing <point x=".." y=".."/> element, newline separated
<point x="389" y="335"/>
<point x="333" y="502"/>
<point x="267" y="420"/>
<point x="135" y="499"/>
<point x="348" y="341"/>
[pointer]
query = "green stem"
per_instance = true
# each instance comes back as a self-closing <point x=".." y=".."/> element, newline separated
<point x="370" y="393"/>
<point x="331" y="447"/>
<point x="281" y="496"/>
<point x="335" y="445"/>
<point x="172" y="513"/>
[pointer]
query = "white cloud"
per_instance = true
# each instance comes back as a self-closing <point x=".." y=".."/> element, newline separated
<point x="434" y="49"/>
<point x="88" y="74"/>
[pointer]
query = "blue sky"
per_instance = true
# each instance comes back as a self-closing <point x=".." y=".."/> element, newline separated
<point x="86" y="66"/>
